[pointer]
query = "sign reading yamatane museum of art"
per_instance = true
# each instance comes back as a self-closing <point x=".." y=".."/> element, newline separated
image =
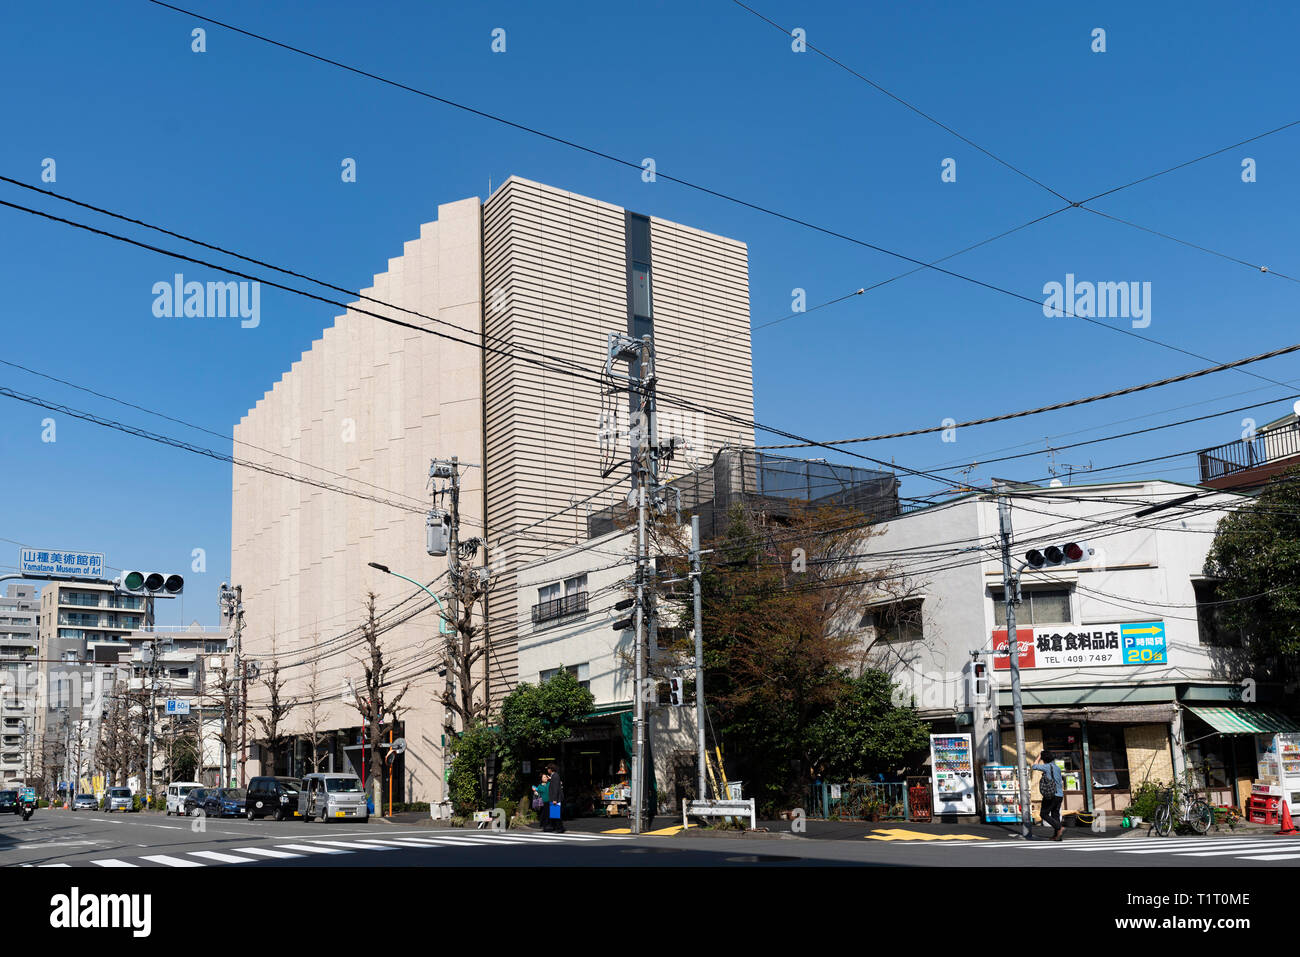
<point x="40" y="561"/>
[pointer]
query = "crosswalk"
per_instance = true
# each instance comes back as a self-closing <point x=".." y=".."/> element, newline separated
<point x="1263" y="848"/>
<point x="321" y="846"/>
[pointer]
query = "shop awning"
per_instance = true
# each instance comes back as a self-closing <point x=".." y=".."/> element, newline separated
<point x="605" y="711"/>
<point x="1245" y="720"/>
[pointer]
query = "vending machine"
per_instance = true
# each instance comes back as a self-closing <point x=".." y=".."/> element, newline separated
<point x="1278" y="777"/>
<point x="952" y="770"/>
<point x="1000" y="791"/>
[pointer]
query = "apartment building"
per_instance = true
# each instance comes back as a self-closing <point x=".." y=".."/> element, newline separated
<point x="19" y="621"/>
<point x="528" y="286"/>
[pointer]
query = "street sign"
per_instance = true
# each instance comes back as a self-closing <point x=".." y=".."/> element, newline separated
<point x="60" y="564"/>
<point x="176" y="706"/>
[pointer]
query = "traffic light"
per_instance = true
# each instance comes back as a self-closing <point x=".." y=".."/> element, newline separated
<point x="979" y="682"/>
<point x="152" y="583"/>
<point x="1057" y="554"/>
<point x="624" y="623"/>
<point x="675" y="691"/>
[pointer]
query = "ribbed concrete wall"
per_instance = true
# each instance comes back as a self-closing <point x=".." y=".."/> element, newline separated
<point x="555" y="281"/>
<point x="368" y="403"/>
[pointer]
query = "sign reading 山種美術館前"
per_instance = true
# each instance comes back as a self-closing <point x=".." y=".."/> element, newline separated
<point x="60" y="564"/>
<point x="1091" y="646"/>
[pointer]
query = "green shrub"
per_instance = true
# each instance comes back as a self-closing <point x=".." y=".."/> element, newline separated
<point x="1145" y="798"/>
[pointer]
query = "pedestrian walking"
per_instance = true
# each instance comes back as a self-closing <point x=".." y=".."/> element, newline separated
<point x="555" y="795"/>
<point x="541" y="803"/>
<point x="1052" y="788"/>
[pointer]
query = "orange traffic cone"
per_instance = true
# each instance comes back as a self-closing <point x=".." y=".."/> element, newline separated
<point x="1288" y="826"/>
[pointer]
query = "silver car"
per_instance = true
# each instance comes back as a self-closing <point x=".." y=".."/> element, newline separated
<point x="119" y="799"/>
<point x="325" y="797"/>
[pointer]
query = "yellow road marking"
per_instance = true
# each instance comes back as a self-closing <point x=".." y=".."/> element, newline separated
<point x="661" y="832"/>
<point x="902" y="834"/>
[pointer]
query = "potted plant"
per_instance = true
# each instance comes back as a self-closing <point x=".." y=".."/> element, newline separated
<point x="874" y="809"/>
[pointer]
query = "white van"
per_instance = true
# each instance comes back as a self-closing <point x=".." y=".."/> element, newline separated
<point x="176" y="792"/>
<point x="327" y="796"/>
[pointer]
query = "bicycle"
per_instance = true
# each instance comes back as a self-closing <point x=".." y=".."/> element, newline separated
<point x="1178" y="807"/>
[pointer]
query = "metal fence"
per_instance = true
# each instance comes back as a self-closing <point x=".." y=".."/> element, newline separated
<point x="859" y="801"/>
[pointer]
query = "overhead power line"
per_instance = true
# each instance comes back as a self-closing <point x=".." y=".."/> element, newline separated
<point x="636" y="165"/>
<point x="1114" y="393"/>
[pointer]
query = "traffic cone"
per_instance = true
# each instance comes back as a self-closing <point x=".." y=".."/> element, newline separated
<point x="1288" y="826"/>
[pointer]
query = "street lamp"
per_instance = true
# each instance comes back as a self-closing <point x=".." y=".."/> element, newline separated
<point x="443" y="628"/>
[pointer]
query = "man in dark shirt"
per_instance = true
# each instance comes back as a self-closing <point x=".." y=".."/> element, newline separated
<point x="556" y="796"/>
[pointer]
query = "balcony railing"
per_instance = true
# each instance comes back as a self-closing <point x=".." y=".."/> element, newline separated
<point x="574" y="604"/>
<point x="1265" y="447"/>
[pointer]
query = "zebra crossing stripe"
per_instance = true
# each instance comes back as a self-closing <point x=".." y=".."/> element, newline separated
<point x="1270" y="857"/>
<point x="171" y="861"/>
<point x="1185" y="850"/>
<point x="354" y="845"/>
<point x="266" y="852"/>
<point x="1253" y="845"/>
<point x="52" y="865"/>
<point x="112" y="862"/>
<point x="223" y="858"/>
<point x="310" y="849"/>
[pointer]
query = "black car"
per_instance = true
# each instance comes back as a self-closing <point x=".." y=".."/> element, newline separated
<point x="9" y="803"/>
<point x="224" y="802"/>
<point x="277" y="797"/>
<point x="194" y="801"/>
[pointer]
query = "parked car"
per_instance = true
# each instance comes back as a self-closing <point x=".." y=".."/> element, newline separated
<point x="176" y="792"/>
<point x="9" y="803"/>
<point x="192" y="803"/>
<point x="328" y="796"/>
<point x="277" y="797"/>
<point x="85" y="802"/>
<point x="224" y="802"/>
<point x="118" y="799"/>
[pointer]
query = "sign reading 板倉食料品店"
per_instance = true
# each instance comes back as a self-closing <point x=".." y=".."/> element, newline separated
<point x="1092" y="646"/>
<point x="61" y="564"/>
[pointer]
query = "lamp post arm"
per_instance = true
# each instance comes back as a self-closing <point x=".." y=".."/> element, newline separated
<point x="443" y="628"/>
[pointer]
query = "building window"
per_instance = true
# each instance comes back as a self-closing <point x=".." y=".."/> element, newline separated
<point x="578" y="671"/>
<point x="1108" y="755"/>
<point x="561" y="599"/>
<point x="1210" y="628"/>
<point x="898" y="621"/>
<point x="1038" y="606"/>
<point x="641" y="290"/>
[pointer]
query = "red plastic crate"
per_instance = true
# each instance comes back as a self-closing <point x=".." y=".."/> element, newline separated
<point x="1263" y="809"/>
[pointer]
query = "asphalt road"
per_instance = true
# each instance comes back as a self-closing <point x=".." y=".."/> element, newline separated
<point x="99" y="840"/>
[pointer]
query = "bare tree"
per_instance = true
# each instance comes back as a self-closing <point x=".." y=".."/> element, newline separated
<point x="461" y="651"/>
<point x="277" y="707"/>
<point x="226" y="693"/>
<point x="313" y="705"/>
<point x="372" y="703"/>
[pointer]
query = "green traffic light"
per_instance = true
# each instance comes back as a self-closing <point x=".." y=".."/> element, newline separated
<point x="133" y="581"/>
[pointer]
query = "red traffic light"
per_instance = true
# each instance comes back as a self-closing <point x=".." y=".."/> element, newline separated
<point x="1073" y="551"/>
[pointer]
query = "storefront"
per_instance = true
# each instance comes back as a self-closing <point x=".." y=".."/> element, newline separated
<point x="1243" y="750"/>
<point x="1104" y="751"/>
<point x="594" y="764"/>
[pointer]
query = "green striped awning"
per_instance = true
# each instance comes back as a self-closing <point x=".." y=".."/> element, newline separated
<point x="1245" y="720"/>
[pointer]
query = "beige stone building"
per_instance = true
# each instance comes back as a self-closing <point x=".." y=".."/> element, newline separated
<point x="522" y="292"/>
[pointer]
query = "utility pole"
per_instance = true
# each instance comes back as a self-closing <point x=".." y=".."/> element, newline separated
<point x="645" y="456"/>
<point x="1011" y="595"/>
<point x="699" y="658"/>
<point x="243" y="682"/>
<point x="151" y="660"/>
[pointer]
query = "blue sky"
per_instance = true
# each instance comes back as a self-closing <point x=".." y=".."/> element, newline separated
<point x="242" y="145"/>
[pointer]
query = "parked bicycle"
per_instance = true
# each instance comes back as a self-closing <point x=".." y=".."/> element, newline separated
<point x="1178" y="806"/>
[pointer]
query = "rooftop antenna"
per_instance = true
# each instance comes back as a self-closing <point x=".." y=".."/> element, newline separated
<point x="1056" y="468"/>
